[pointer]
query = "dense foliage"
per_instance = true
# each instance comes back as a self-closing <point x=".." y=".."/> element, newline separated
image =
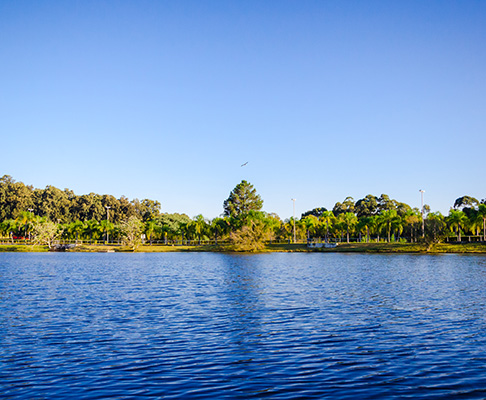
<point x="46" y="215"/>
<point x="63" y="206"/>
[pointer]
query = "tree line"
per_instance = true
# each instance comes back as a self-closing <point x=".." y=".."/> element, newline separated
<point x="48" y="214"/>
<point x="63" y="206"/>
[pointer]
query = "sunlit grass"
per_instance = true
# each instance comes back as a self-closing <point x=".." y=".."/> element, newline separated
<point x="23" y="248"/>
<point x="473" y="247"/>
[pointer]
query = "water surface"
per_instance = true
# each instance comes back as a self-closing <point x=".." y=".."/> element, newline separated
<point x="280" y="326"/>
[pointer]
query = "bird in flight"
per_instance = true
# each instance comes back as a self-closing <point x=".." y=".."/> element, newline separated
<point x="244" y="164"/>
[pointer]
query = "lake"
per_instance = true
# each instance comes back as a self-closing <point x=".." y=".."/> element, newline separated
<point x="223" y="326"/>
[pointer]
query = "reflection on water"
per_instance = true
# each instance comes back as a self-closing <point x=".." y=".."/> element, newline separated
<point x="192" y="325"/>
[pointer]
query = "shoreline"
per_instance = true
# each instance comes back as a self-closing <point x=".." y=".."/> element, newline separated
<point x="372" y="248"/>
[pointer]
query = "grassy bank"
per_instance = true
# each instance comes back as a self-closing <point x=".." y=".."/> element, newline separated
<point x="479" y="248"/>
<point x="23" y="248"/>
<point x="408" y="248"/>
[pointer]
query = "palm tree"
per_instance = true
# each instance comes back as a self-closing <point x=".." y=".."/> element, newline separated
<point x="106" y="226"/>
<point x="349" y="220"/>
<point x="186" y="230"/>
<point x="150" y="229"/>
<point x="474" y="222"/>
<point x="200" y="225"/>
<point x="338" y="228"/>
<point x="294" y="223"/>
<point x="25" y="219"/>
<point x="373" y="226"/>
<point x="300" y="228"/>
<point x="327" y="217"/>
<point x="482" y="214"/>
<point x="6" y="228"/>
<point x="219" y="227"/>
<point x="388" y="219"/>
<point x="412" y="218"/>
<point x="310" y="222"/>
<point x="92" y="228"/>
<point x="365" y="223"/>
<point x="435" y="221"/>
<point x="75" y="228"/>
<point x="456" y="219"/>
<point x="397" y="226"/>
<point x="9" y="226"/>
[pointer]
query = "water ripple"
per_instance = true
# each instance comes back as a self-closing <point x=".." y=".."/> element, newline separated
<point x="205" y="326"/>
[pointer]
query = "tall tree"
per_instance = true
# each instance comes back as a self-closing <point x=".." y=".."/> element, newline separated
<point x="366" y="207"/>
<point x="172" y="224"/>
<point x="346" y="206"/>
<point x="465" y="201"/>
<point x="386" y="204"/>
<point x="242" y="199"/>
<point x="317" y="212"/>
<point x="15" y="197"/>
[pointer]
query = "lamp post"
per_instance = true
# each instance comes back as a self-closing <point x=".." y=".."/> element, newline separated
<point x="31" y="210"/>
<point x="423" y="222"/>
<point x="293" y="200"/>
<point x="107" y="221"/>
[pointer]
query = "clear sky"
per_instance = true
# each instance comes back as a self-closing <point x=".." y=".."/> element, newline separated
<point x="324" y="99"/>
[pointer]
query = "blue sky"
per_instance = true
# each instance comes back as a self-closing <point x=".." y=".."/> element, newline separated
<point x="323" y="99"/>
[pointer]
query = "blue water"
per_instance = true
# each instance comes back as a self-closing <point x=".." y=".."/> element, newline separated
<point x="220" y="326"/>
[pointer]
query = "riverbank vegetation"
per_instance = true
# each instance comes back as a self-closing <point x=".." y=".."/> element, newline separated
<point x="47" y="217"/>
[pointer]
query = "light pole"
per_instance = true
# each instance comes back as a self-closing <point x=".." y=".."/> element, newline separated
<point x="293" y="200"/>
<point x="107" y="221"/>
<point x="423" y="223"/>
<point x="31" y="210"/>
